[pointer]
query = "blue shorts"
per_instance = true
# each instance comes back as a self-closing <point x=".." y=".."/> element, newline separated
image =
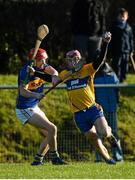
<point x="85" y="119"/>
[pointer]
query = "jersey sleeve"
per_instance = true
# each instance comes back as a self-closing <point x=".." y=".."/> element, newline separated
<point x="44" y="76"/>
<point x="91" y="70"/>
<point x="63" y="74"/>
<point x="23" y="76"/>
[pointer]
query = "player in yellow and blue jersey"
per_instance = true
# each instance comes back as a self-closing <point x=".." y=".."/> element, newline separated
<point x="88" y="114"/>
<point x="30" y="91"/>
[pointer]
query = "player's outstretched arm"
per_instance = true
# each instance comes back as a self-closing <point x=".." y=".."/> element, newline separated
<point x="100" y="60"/>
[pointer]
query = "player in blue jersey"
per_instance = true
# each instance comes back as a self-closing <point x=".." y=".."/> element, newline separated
<point x="30" y="91"/>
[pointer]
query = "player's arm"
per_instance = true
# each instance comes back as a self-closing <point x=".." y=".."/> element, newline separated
<point x="53" y="72"/>
<point x="50" y="70"/>
<point x="47" y="77"/>
<point x="42" y="75"/>
<point x="23" y="89"/>
<point x="103" y="52"/>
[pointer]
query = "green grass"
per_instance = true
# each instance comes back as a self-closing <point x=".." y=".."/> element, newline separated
<point x="8" y="79"/>
<point x="131" y="78"/>
<point x="57" y="109"/>
<point x="125" y="170"/>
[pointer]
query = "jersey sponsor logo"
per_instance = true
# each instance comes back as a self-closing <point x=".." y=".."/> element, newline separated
<point x="77" y="83"/>
<point x="35" y="84"/>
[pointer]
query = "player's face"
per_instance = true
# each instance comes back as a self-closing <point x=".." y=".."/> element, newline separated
<point x="72" y="62"/>
<point x="40" y="63"/>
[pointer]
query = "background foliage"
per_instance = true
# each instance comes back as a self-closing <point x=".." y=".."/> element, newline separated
<point x="19" y="20"/>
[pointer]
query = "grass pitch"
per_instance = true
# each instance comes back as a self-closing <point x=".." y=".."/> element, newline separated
<point x="79" y="170"/>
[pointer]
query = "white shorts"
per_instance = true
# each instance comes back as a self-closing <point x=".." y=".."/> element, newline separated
<point x="25" y="114"/>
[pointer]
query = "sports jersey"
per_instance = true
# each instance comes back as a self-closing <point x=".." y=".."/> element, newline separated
<point x="80" y="87"/>
<point x="35" y="84"/>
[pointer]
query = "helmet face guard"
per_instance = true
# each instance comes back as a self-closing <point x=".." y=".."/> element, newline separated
<point x="72" y="59"/>
<point x="72" y="62"/>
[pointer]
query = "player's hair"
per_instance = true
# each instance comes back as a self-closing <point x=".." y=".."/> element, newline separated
<point x="121" y="11"/>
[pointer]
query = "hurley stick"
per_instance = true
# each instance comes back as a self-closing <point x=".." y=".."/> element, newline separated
<point x="59" y="82"/>
<point x="70" y="73"/>
<point x="42" y="32"/>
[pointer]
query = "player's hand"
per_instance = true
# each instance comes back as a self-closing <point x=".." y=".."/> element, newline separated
<point x="30" y="70"/>
<point x="55" y="79"/>
<point x="107" y="37"/>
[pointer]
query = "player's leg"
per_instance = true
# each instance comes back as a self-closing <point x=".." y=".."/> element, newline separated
<point x="112" y="122"/>
<point x="102" y="127"/>
<point x="104" y="130"/>
<point x="85" y="120"/>
<point x="40" y="120"/>
<point x="44" y="146"/>
<point x="25" y="115"/>
<point x="43" y="149"/>
<point x="96" y="141"/>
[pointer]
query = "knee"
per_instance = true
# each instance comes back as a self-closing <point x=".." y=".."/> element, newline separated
<point x="106" y="132"/>
<point x="102" y="128"/>
<point x="53" y="129"/>
<point x="93" y="136"/>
